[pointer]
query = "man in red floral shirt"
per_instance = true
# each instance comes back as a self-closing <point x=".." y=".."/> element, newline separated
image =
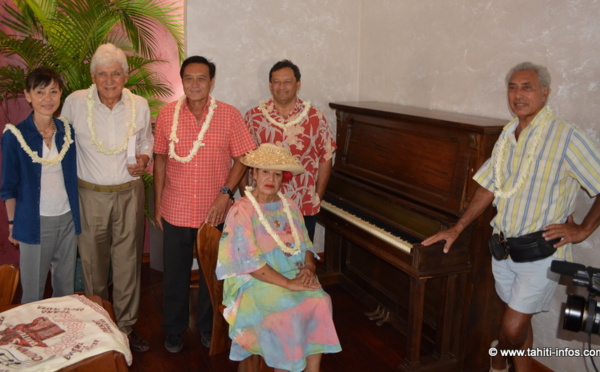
<point x="287" y="121"/>
<point x="196" y="139"/>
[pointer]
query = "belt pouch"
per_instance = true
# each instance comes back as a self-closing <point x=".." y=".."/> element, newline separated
<point x="531" y="247"/>
<point x="498" y="248"/>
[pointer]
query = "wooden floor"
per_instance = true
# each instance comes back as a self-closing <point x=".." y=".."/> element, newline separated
<point x="366" y="347"/>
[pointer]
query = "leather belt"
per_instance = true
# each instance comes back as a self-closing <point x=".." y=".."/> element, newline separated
<point x="106" y="188"/>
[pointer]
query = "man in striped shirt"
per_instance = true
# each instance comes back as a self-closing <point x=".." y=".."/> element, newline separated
<point x="534" y="174"/>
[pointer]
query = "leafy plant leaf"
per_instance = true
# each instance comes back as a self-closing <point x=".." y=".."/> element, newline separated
<point x="64" y="34"/>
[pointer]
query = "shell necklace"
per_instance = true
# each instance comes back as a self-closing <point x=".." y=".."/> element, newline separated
<point x="33" y="155"/>
<point x="267" y="226"/>
<point x="530" y="157"/>
<point x="92" y="127"/>
<point x="212" y="105"/>
<point x="299" y="118"/>
<point x="46" y="138"/>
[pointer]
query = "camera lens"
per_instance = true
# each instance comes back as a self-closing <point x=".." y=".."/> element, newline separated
<point x="581" y="315"/>
<point x="574" y="313"/>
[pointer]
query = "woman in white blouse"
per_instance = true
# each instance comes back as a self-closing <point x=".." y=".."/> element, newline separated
<point x="39" y="189"/>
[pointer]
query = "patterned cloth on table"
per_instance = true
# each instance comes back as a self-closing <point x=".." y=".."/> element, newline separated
<point x="283" y="326"/>
<point x="54" y="333"/>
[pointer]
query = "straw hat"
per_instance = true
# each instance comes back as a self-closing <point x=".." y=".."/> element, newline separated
<point x="270" y="156"/>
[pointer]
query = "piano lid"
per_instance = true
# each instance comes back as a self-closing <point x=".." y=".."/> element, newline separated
<point x="424" y="156"/>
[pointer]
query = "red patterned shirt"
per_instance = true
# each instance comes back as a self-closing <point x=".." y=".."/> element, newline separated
<point x="311" y="141"/>
<point x="190" y="188"/>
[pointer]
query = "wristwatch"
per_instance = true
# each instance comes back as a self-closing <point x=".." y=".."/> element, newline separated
<point x="227" y="190"/>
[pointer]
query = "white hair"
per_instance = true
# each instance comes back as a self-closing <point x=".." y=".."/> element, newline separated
<point x="106" y="55"/>
<point x="541" y="71"/>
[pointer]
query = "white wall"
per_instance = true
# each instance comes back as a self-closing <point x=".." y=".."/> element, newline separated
<point x="245" y="38"/>
<point x="446" y="55"/>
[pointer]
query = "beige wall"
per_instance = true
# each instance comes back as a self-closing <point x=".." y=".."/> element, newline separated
<point x="245" y="38"/>
<point x="453" y="56"/>
<point x="447" y="55"/>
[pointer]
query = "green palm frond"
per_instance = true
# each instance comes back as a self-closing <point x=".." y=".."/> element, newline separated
<point x="20" y="18"/>
<point x="143" y="17"/>
<point x="33" y="52"/>
<point x="13" y="83"/>
<point x="64" y="34"/>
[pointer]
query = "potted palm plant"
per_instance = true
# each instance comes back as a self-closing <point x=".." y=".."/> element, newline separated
<point x="63" y="34"/>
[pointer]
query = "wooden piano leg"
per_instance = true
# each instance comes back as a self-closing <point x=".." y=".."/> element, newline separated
<point x="331" y="273"/>
<point x="412" y="360"/>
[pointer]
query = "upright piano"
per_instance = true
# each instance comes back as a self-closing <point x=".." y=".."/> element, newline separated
<point x="400" y="175"/>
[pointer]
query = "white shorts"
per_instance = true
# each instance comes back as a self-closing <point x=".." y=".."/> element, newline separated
<point x="527" y="287"/>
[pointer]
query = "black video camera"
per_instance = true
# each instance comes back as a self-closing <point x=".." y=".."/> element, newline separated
<point x="581" y="314"/>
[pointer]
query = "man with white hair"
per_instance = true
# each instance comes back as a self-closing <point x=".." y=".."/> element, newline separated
<point x="537" y="167"/>
<point x="106" y="118"/>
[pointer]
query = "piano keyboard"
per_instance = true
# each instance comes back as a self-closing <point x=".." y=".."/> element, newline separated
<point x="368" y="227"/>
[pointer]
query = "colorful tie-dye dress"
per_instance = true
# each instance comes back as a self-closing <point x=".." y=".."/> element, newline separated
<point x="283" y="326"/>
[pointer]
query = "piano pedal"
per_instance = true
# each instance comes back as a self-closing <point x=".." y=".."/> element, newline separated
<point x="385" y="319"/>
<point x="380" y="315"/>
<point x="374" y="312"/>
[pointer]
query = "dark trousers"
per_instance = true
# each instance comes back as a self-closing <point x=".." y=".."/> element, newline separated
<point x="311" y="223"/>
<point x="178" y="245"/>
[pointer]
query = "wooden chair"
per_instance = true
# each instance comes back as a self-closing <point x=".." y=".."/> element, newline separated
<point x="9" y="279"/>
<point x="207" y="244"/>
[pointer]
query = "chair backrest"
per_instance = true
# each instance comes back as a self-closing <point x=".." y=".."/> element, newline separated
<point x="9" y="279"/>
<point x="207" y="245"/>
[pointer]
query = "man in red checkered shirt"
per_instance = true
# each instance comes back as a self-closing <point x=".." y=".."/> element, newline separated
<point x="196" y="139"/>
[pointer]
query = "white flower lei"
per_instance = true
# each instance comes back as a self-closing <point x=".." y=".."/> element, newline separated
<point x="212" y="105"/>
<point x="91" y="126"/>
<point x="267" y="226"/>
<point x="530" y="155"/>
<point x="33" y="155"/>
<point x="299" y="118"/>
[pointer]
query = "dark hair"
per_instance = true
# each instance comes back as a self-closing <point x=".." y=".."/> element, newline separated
<point x="212" y="69"/>
<point x="283" y="64"/>
<point x="42" y="77"/>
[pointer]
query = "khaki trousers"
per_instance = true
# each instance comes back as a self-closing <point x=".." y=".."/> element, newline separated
<point x="112" y="234"/>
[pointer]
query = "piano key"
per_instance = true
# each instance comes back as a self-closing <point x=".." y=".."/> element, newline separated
<point x="368" y="227"/>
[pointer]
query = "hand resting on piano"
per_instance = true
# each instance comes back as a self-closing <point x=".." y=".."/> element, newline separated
<point x="482" y="199"/>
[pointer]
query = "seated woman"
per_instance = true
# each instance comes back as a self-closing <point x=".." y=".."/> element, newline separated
<point x="39" y="189"/>
<point x="275" y="305"/>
